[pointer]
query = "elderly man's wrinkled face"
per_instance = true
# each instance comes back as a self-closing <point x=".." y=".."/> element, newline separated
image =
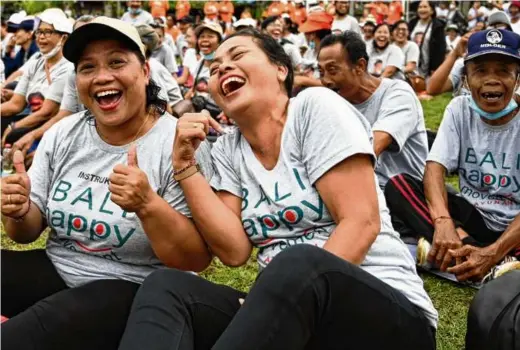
<point x="492" y="80"/>
<point x="337" y="73"/>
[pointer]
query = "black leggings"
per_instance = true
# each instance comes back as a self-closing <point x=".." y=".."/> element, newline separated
<point x="45" y="314"/>
<point x="306" y="298"/>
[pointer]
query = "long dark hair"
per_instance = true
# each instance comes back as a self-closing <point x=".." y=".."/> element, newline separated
<point x="274" y="52"/>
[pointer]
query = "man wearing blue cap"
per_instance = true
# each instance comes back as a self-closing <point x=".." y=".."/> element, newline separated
<point x="25" y="39"/>
<point x="475" y="234"/>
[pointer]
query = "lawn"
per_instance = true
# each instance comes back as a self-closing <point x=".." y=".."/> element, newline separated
<point x="451" y="300"/>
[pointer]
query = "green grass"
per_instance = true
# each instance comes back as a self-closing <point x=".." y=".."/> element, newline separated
<point x="451" y="300"/>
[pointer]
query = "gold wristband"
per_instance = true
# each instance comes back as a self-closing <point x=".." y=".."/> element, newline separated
<point x="185" y="173"/>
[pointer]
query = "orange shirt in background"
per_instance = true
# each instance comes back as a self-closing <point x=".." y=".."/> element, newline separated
<point x="395" y="12"/>
<point x="182" y="9"/>
<point x="298" y="15"/>
<point x="211" y="10"/>
<point x="226" y="11"/>
<point x="158" y="8"/>
<point x="378" y="10"/>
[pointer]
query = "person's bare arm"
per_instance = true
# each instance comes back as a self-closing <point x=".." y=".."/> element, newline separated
<point x="389" y="72"/>
<point x="410" y="67"/>
<point x="353" y="206"/>
<point x="184" y="76"/>
<point x="440" y="80"/>
<point x="510" y="239"/>
<point x="382" y="141"/>
<point x="48" y="109"/>
<point x="12" y="107"/>
<point x="13" y="77"/>
<point x="301" y="80"/>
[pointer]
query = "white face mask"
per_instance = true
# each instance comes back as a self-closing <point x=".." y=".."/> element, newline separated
<point x="47" y="56"/>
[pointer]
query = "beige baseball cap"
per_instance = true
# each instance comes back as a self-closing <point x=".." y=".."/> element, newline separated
<point x="213" y="26"/>
<point x="101" y="28"/>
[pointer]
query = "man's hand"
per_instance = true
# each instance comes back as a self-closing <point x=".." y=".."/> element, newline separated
<point x="462" y="45"/>
<point x="478" y="262"/>
<point x="129" y="185"/>
<point x="445" y="238"/>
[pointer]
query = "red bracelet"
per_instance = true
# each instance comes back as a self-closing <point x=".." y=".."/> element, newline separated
<point x="22" y="217"/>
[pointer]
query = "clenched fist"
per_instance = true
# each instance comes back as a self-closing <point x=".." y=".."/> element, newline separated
<point x="16" y="189"/>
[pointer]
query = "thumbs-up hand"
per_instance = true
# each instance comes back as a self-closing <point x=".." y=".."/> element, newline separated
<point x="16" y="189"/>
<point x="129" y="185"/>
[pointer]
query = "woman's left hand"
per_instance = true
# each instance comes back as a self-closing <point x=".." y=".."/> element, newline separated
<point x="477" y="262"/>
<point x="129" y="185"/>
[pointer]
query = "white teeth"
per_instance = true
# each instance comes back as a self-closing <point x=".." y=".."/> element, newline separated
<point x="226" y="82"/>
<point x="106" y="93"/>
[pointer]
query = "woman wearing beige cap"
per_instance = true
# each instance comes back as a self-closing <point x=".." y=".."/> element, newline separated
<point x="103" y="182"/>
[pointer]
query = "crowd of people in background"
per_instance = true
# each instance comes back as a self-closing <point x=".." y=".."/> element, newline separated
<point x="153" y="142"/>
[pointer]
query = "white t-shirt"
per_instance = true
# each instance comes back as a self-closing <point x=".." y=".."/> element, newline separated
<point x="425" y="59"/>
<point x="34" y="79"/>
<point x="516" y="27"/>
<point x="281" y="207"/>
<point x="378" y="60"/>
<point x="411" y="52"/>
<point x="451" y="45"/>
<point x="472" y="12"/>
<point x="91" y="237"/>
<point x="165" y="56"/>
<point x="346" y="23"/>
<point x="487" y="159"/>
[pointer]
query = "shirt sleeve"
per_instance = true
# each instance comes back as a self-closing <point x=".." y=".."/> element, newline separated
<point x="225" y="177"/>
<point x="41" y="171"/>
<point x="446" y="147"/>
<point x="69" y="101"/>
<point x="324" y="115"/>
<point x="456" y="74"/>
<point x="399" y="115"/>
<point x="173" y="90"/>
<point x="413" y="53"/>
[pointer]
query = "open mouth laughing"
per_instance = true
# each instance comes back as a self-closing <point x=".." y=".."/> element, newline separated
<point x="491" y="96"/>
<point x="108" y="99"/>
<point x="231" y="84"/>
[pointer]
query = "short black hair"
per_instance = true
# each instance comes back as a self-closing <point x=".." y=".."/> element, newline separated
<point x="351" y="41"/>
<point x="269" y="20"/>
<point x="274" y="52"/>
<point x="383" y="25"/>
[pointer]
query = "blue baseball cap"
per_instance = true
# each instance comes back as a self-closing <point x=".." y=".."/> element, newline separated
<point x="493" y="41"/>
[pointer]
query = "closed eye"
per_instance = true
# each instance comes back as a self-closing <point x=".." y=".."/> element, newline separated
<point x="238" y="55"/>
<point x="213" y="70"/>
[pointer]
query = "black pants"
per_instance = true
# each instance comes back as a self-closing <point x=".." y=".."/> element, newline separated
<point x="306" y="298"/>
<point x="45" y="314"/>
<point x="494" y="315"/>
<point x="410" y="214"/>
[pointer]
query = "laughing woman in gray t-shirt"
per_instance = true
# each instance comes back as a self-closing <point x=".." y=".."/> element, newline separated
<point x="103" y="182"/>
<point x="296" y="181"/>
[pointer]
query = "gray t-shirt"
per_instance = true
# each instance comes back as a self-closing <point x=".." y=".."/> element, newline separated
<point x="166" y="57"/>
<point x="170" y="90"/>
<point x="411" y="52"/>
<point x="281" y="207"/>
<point x="34" y="79"/>
<point x="425" y="58"/>
<point x="294" y="53"/>
<point x="71" y="101"/>
<point x="144" y="17"/>
<point x="378" y="60"/>
<point x="57" y="89"/>
<point x="92" y="238"/>
<point x="487" y="158"/>
<point x="395" y="109"/>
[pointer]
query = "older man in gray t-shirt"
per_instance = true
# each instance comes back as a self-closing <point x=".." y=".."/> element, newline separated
<point x="394" y="110"/>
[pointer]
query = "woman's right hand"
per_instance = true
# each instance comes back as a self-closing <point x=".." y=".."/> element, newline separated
<point x="191" y="130"/>
<point x="445" y="237"/>
<point x="16" y="189"/>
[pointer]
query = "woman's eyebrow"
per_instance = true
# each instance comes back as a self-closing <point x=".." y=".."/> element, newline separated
<point x="230" y="51"/>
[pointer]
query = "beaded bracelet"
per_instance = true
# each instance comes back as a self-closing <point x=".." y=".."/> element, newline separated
<point x="180" y="171"/>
